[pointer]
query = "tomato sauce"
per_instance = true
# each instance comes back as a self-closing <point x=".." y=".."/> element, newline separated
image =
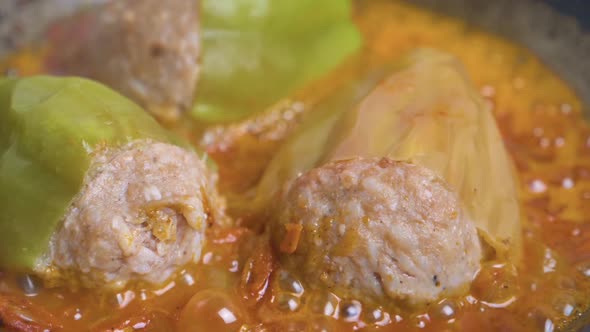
<point x="239" y="285"/>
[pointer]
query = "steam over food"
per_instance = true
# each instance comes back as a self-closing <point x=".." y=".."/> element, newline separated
<point x="115" y="196"/>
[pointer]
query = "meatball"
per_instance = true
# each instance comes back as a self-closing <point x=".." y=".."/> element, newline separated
<point x="377" y="230"/>
<point x="147" y="50"/>
<point x="142" y="213"/>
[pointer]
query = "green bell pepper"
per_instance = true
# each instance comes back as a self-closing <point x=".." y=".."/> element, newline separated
<point x="257" y="51"/>
<point x="49" y="130"/>
<point x="279" y="18"/>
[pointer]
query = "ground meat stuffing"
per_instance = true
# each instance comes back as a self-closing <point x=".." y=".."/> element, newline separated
<point x="378" y="230"/>
<point x="142" y="213"/>
<point x="148" y="50"/>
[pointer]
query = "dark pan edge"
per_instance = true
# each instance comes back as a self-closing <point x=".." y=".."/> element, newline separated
<point x="557" y="39"/>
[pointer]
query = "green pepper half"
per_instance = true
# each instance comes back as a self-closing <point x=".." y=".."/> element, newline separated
<point x="257" y="51"/>
<point x="49" y="130"/>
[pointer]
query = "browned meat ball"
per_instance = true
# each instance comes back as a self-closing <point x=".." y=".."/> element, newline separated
<point x="147" y="50"/>
<point x="142" y="214"/>
<point x="377" y="230"/>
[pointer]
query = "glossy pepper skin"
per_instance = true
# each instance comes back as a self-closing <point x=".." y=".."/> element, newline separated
<point x="49" y="130"/>
<point x="257" y="51"/>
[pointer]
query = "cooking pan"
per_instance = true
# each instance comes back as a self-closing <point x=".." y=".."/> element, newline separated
<point x="558" y="31"/>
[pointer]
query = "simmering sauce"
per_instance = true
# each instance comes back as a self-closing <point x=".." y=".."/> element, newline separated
<point x="239" y="284"/>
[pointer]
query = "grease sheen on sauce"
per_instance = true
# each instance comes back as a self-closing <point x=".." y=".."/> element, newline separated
<point x="541" y="120"/>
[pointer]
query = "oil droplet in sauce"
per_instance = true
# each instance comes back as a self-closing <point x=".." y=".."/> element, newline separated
<point x="541" y="122"/>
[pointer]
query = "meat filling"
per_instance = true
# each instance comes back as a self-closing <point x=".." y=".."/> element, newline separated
<point x="142" y="213"/>
<point x="378" y="230"/>
<point x="147" y="50"/>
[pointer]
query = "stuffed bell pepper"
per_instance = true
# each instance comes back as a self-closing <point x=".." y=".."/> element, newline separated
<point x="92" y="189"/>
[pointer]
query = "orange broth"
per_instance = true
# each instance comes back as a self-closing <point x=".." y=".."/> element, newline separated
<point x="239" y="283"/>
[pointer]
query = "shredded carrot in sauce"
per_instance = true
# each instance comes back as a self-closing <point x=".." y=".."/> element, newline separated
<point x="291" y="239"/>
